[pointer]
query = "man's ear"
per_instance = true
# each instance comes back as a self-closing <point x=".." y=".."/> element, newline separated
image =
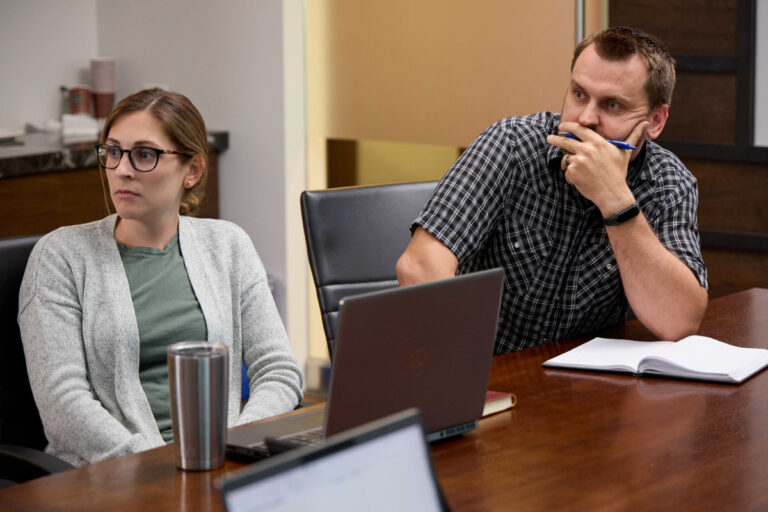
<point x="658" y="120"/>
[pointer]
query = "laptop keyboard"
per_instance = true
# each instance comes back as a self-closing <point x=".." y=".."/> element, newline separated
<point x="257" y="451"/>
<point x="306" y="438"/>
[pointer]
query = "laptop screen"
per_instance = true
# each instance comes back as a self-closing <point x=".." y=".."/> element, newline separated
<point x="389" y="471"/>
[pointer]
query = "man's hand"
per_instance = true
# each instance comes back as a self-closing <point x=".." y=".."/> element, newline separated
<point x="597" y="168"/>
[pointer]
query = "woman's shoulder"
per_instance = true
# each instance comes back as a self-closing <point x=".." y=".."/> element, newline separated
<point x="66" y="252"/>
<point x="214" y="228"/>
<point x="219" y="235"/>
<point x="77" y="238"/>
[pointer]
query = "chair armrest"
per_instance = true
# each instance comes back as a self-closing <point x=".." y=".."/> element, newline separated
<point x="19" y="463"/>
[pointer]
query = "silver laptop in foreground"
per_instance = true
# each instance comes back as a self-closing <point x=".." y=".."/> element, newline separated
<point x="428" y="346"/>
<point x="383" y="465"/>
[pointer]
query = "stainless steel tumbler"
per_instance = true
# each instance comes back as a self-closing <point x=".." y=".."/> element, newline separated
<point x="198" y="372"/>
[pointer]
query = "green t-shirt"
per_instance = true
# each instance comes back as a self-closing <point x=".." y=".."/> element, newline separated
<point x="167" y="311"/>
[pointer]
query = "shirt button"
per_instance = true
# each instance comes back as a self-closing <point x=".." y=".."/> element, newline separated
<point x="517" y="245"/>
<point x="609" y="266"/>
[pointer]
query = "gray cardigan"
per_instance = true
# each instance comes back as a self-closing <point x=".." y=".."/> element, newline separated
<point x="81" y="339"/>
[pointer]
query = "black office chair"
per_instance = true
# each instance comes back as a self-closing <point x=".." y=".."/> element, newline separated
<point x="354" y="237"/>
<point x="21" y="431"/>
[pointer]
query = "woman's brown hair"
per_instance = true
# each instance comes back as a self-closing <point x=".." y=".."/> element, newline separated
<point x="182" y="123"/>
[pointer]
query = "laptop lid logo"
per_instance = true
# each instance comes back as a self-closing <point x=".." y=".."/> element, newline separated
<point x="417" y="363"/>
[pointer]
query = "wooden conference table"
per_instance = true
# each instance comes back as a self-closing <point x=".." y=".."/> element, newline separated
<point x="576" y="441"/>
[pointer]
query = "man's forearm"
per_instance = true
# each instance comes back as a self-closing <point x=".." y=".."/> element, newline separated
<point x="662" y="291"/>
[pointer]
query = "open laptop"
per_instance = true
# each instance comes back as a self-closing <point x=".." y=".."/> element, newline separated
<point x="383" y="465"/>
<point x="428" y="346"/>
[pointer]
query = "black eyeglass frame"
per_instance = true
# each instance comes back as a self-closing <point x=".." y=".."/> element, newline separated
<point x="157" y="152"/>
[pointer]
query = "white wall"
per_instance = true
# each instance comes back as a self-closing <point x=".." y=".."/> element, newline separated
<point x="296" y="176"/>
<point x="761" y="75"/>
<point x="225" y="56"/>
<point x="45" y="44"/>
<point x="229" y="58"/>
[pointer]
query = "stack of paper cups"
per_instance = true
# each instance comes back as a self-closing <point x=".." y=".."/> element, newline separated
<point x="103" y="85"/>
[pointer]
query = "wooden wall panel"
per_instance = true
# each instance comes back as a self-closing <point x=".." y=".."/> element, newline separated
<point x="341" y="163"/>
<point x="732" y="196"/>
<point x="693" y="27"/>
<point x="695" y="117"/>
<point x="40" y="203"/>
<point x="709" y="118"/>
<point x="732" y="271"/>
<point x="210" y="206"/>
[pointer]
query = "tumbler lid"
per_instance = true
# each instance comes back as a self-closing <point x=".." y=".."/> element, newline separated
<point x="197" y="349"/>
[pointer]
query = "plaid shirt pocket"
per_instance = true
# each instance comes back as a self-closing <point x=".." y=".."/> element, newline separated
<point x="528" y="249"/>
<point x="599" y="282"/>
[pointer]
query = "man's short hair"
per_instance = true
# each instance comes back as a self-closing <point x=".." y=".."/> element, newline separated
<point x="620" y="43"/>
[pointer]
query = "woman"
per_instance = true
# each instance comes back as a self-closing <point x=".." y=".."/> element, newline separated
<point x="101" y="302"/>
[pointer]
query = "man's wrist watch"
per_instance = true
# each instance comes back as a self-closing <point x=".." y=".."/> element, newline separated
<point x="623" y="216"/>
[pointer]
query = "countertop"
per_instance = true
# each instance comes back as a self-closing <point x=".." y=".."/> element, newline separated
<point x="44" y="152"/>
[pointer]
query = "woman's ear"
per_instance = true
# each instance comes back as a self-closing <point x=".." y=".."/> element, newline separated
<point x="658" y="120"/>
<point x="195" y="172"/>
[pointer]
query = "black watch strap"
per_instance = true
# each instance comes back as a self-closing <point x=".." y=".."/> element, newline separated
<point x="623" y="216"/>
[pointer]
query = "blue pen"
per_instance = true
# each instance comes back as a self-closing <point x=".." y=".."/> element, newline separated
<point x="618" y="143"/>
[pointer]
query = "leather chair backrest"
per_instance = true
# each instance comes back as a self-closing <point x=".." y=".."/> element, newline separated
<point x="19" y="420"/>
<point x="354" y="237"/>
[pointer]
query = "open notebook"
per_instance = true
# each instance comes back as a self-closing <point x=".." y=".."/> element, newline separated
<point x="694" y="357"/>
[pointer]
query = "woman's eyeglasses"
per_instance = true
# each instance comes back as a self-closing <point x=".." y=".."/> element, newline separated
<point x="143" y="158"/>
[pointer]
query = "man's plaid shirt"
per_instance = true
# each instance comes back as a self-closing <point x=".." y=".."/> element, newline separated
<point x="505" y="203"/>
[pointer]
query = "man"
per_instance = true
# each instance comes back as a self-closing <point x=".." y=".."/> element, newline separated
<point x="583" y="228"/>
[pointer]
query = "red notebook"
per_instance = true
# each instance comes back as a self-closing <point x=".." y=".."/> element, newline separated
<point x="497" y="401"/>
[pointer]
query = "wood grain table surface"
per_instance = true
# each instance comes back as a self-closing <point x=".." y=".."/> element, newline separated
<point x="576" y="441"/>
